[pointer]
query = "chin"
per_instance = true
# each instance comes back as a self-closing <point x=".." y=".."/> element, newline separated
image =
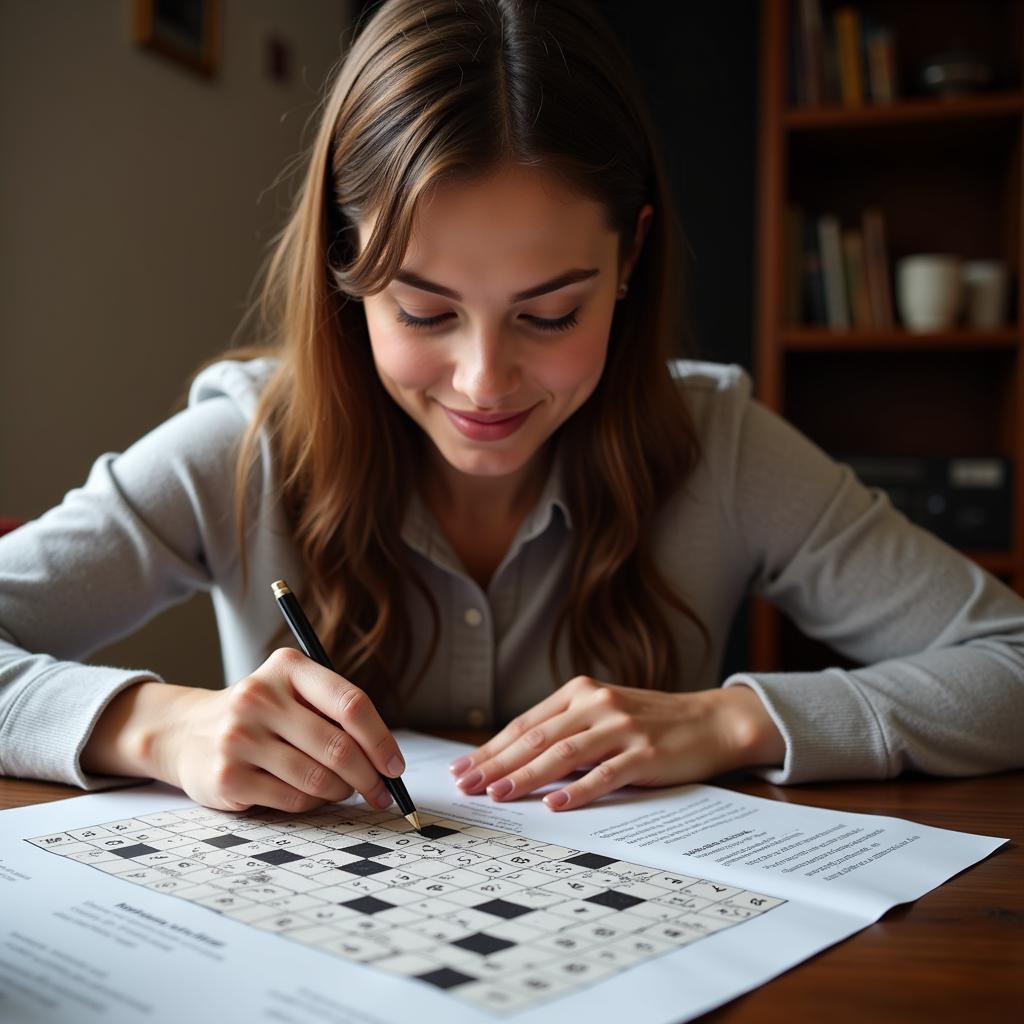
<point x="480" y="462"/>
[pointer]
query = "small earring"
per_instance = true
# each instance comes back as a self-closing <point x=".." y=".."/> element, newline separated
<point x="623" y="289"/>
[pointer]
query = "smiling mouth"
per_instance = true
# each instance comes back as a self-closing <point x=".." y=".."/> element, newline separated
<point x="499" y="417"/>
<point x="494" y="429"/>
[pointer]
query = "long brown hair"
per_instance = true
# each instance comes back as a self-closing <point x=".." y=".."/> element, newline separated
<point x="447" y="90"/>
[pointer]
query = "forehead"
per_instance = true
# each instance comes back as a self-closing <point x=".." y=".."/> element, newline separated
<point x="519" y="216"/>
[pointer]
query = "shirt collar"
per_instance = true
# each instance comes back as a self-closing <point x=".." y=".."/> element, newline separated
<point x="553" y="495"/>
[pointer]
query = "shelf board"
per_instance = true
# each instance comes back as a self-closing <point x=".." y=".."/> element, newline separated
<point x="910" y="111"/>
<point x="822" y="339"/>
<point x="999" y="563"/>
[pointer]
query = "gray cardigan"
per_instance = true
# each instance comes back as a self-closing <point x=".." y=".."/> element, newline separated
<point x="766" y="511"/>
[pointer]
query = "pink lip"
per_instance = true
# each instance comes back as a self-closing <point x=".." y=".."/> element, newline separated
<point x="493" y="428"/>
<point x="492" y="417"/>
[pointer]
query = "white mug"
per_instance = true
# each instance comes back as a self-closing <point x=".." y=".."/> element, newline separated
<point x="985" y="284"/>
<point x="928" y="291"/>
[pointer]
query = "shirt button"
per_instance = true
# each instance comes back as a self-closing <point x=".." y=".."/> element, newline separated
<point x="472" y="617"/>
<point x="475" y="717"/>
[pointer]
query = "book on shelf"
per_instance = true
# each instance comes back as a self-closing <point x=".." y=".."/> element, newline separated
<point x="848" y="60"/>
<point x="835" y="277"/>
<point x="876" y="263"/>
<point x="813" y="307"/>
<point x="809" y="54"/>
<point x="856" y="279"/>
<point x="880" y="60"/>
<point x="848" y="51"/>
<point x="836" y="308"/>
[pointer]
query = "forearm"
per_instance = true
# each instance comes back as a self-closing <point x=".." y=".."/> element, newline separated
<point x="947" y="711"/>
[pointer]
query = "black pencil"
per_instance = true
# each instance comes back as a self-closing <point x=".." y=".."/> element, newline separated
<point x="312" y="648"/>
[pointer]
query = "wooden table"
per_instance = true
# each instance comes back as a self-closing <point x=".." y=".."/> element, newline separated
<point x="957" y="954"/>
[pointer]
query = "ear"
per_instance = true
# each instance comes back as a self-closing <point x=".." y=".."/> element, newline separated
<point x="643" y="223"/>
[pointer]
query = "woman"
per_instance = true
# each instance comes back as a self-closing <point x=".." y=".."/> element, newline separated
<point x="465" y="447"/>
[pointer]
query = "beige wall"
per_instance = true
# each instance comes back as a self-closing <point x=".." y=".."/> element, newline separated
<point x="135" y="202"/>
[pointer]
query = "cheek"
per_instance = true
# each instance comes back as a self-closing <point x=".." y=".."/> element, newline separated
<point x="575" y="362"/>
<point x="406" y="362"/>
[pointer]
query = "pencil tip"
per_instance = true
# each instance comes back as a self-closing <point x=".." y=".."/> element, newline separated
<point x="414" y="819"/>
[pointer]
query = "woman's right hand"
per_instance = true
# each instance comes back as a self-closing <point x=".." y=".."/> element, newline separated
<point x="292" y="735"/>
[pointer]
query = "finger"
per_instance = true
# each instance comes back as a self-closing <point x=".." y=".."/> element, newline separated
<point x="300" y="771"/>
<point x="320" y="744"/>
<point x="243" y="786"/>
<point x="606" y="777"/>
<point x="347" y="705"/>
<point x="551" y="705"/>
<point x="529" y="746"/>
<point x="589" y="747"/>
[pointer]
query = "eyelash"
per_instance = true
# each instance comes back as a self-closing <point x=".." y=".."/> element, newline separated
<point x="563" y="323"/>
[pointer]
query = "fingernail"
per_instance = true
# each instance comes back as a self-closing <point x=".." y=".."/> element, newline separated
<point x="396" y="765"/>
<point x="501" y="788"/>
<point x="458" y="767"/>
<point x="470" y="780"/>
<point x="383" y="800"/>
<point x="555" y="800"/>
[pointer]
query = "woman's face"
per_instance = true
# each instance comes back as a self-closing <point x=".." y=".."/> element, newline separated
<point x="503" y="306"/>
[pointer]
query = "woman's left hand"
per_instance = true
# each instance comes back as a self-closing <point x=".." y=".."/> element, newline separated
<point x="624" y="736"/>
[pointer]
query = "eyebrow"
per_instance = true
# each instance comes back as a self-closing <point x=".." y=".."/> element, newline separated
<point x="569" y="277"/>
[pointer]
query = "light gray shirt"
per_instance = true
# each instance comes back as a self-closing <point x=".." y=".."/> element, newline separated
<point x="765" y="511"/>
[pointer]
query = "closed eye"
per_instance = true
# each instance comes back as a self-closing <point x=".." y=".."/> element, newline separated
<point x="562" y="323"/>
<point x="416" y="321"/>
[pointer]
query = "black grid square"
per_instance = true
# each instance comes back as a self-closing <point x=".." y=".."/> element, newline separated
<point x="590" y="860"/>
<point x="364" y="867"/>
<point x="139" y="850"/>
<point x="277" y="857"/>
<point x="366" y="850"/>
<point x="503" y="908"/>
<point x="226" y="841"/>
<point x="368" y="905"/>
<point x="437" y="831"/>
<point x="483" y="943"/>
<point x="614" y="899"/>
<point x="445" y="978"/>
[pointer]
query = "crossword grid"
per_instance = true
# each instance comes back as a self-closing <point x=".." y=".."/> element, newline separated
<point x="500" y="921"/>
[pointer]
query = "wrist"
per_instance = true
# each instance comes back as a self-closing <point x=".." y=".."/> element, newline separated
<point x="750" y="731"/>
<point x="163" y="717"/>
<point x="128" y="738"/>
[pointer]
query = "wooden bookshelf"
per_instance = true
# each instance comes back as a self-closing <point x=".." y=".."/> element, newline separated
<point x="946" y="172"/>
<point x="907" y="111"/>
<point x="821" y="339"/>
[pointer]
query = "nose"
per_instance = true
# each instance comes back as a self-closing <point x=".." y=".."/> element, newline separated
<point x="487" y="368"/>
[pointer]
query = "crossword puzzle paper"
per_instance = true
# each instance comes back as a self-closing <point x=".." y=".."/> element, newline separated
<point x="498" y="920"/>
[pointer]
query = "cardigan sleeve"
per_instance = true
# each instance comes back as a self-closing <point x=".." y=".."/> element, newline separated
<point x="940" y="641"/>
<point x="148" y="528"/>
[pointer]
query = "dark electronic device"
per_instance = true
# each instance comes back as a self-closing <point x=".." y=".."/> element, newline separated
<point x="965" y="501"/>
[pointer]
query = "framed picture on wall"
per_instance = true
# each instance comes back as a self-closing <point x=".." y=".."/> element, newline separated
<point x="184" y="31"/>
